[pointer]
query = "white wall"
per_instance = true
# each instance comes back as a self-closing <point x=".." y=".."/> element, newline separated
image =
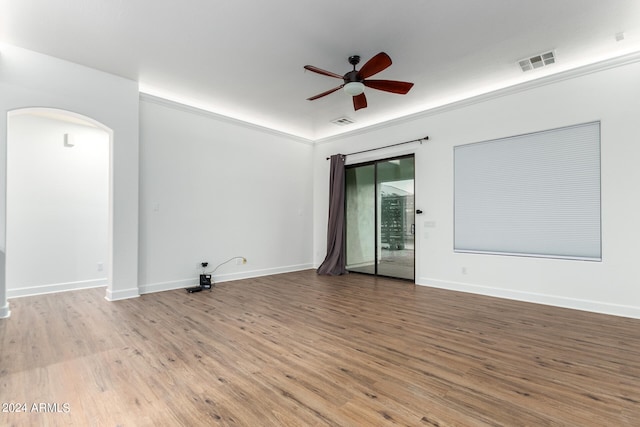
<point x="213" y="188"/>
<point x="610" y="94"/>
<point x="29" y="79"/>
<point x="57" y="205"/>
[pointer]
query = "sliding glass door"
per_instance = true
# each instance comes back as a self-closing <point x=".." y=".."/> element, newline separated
<point x="396" y="218"/>
<point x="360" y="205"/>
<point x="380" y="218"/>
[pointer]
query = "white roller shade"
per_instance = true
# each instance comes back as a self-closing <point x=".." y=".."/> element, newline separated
<point x="534" y="195"/>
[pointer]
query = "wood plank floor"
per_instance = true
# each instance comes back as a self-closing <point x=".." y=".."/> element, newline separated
<point x="299" y="349"/>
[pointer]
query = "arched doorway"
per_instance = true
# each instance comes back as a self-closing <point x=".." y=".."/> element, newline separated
<point x="59" y="204"/>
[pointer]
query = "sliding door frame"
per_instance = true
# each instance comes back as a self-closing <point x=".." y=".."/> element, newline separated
<point x="375" y="217"/>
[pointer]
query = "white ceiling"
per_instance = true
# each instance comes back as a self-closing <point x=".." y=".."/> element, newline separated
<point x="244" y="59"/>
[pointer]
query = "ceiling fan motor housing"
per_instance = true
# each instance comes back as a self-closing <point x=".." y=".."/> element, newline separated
<point x="352" y="76"/>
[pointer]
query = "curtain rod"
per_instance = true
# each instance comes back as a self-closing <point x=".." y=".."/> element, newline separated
<point x="426" y="138"/>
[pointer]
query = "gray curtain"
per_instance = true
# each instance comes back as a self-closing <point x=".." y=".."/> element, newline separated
<point x="335" y="264"/>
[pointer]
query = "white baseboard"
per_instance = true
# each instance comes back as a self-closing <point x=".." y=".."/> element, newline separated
<point x="259" y="273"/>
<point x="553" y="300"/>
<point x="55" y="287"/>
<point x="219" y="278"/>
<point x="122" y="294"/>
<point x="168" y="286"/>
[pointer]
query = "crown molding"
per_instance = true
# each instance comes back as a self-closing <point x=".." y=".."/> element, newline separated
<point x="584" y="70"/>
<point x="580" y="71"/>
<point x="146" y="97"/>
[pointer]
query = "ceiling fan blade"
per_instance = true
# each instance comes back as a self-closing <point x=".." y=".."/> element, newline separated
<point x="374" y="65"/>
<point x="389" y="86"/>
<point x="359" y="101"/>
<point x="320" y="95"/>
<point x="323" y="72"/>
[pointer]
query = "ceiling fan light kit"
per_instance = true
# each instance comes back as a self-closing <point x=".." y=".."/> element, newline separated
<point x="355" y="81"/>
<point x="354" y="88"/>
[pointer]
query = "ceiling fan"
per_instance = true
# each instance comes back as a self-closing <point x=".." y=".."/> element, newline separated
<point x="355" y="81"/>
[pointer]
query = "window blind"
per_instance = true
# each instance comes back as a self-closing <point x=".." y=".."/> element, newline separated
<point x="533" y="195"/>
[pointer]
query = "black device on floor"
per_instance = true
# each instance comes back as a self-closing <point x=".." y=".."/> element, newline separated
<point x="205" y="283"/>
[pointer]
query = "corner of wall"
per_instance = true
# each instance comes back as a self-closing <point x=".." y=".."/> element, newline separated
<point x="122" y="294"/>
<point x="5" y="312"/>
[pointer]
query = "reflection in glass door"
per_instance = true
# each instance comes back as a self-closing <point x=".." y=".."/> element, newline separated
<point x="380" y="220"/>
<point x="360" y="206"/>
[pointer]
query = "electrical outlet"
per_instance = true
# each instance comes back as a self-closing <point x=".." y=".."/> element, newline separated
<point x="100" y="266"/>
<point x="240" y="261"/>
<point x="464" y="270"/>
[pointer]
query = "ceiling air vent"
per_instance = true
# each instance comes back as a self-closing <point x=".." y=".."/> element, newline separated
<point x="537" y="61"/>
<point x="343" y="121"/>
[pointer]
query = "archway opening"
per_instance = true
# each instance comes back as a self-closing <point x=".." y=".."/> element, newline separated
<point x="59" y="204"/>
